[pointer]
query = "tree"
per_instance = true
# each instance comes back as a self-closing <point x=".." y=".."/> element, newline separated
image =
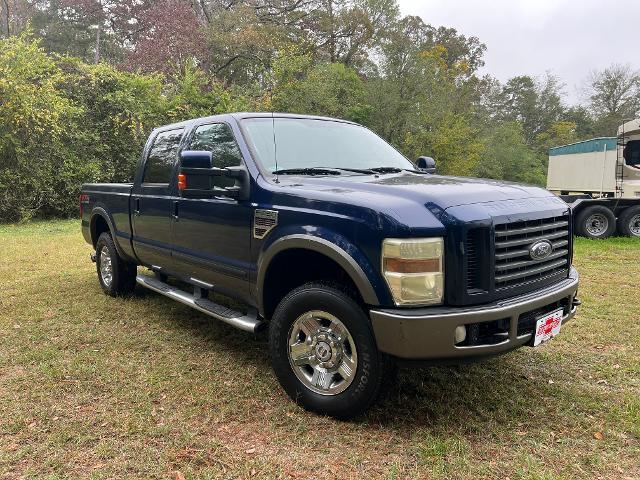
<point x="330" y="89"/>
<point x="466" y="52"/>
<point x="168" y="39"/>
<point x="559" y="133"/>
<point x="34" y="116"/>
<point x="536" y="104"/>
<point x="14" y="16"/>
<point x="94" y="30"/>
<point x="453" y="143"/>
<point x="614" y="96"/>
<point x="506" y="156"/>
<point x="344" y="30"/>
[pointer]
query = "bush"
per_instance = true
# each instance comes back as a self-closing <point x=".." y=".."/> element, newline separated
<point x="64" y="123"/>
<point x="34" y="120"/>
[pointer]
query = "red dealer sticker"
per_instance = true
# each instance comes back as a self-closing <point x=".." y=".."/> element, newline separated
<point x="548" y="327"/>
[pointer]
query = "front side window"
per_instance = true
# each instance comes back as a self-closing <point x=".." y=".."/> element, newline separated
<point x="632" y="153"/>
<point x="162" y="157"/>
<point x="218" y="139"/>
<point x="311" y="143"/>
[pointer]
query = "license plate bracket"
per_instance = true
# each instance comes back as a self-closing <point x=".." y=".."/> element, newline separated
<point x="548" y="326"/>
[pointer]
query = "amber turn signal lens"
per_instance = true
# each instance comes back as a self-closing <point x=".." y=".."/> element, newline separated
<point x="182" y="181"/>
<point x="399" y="265"/>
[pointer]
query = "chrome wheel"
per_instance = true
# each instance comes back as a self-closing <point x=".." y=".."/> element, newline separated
<point x="106" y="268"/>
<point x="322" y="353"/>
<point x="634" y="225"/>
<point x="597" y="224"/>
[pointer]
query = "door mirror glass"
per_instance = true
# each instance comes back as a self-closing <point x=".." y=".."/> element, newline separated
<point x="196" y="159"/>
<point x="426" y="164"/>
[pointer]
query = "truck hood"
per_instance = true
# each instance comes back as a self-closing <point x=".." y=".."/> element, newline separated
<point x="430" y="190"/>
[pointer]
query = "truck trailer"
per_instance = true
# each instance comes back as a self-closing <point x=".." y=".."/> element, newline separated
<point x="600" y="180"/>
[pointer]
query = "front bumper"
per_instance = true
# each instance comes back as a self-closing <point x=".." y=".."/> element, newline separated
<point x="429" y="333"/>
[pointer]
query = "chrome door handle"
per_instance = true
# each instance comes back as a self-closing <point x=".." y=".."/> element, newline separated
<point x="174" y="211"/>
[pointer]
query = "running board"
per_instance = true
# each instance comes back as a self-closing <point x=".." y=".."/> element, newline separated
<point x="247" y="322"/>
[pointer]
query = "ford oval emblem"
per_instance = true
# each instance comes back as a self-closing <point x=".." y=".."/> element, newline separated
<point x="541" y="250"/>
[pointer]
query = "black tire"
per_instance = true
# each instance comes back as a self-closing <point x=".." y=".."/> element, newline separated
<point x="123" y="274"/>
<point x="596" y="222"/>
<point x="372" y="366"/>
<point x="629" y="222"/>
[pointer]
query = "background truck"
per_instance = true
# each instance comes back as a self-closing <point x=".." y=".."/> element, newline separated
<point x="354" y="258"/>
<point x="600" y="179"/>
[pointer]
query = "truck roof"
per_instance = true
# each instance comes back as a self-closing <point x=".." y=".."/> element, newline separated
<point x="244" y="115"/>
<point x="630" y="128"/>
<point x="585" y="146"/>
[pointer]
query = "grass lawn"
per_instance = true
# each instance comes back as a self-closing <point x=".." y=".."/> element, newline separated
<point x="143" y="387"/>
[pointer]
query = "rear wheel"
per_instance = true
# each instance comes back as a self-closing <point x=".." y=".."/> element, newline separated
<point x="596" y="222"/>
<point x="116" y="276"/>
<point x="324" y="353"/>
<point x="629" y="222"/>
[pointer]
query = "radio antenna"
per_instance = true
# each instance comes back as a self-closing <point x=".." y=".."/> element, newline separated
<point x="275" y="144"/>
<point x="273" y="128"/>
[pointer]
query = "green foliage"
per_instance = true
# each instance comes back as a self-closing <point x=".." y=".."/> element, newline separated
<point x="117" y="112"/>
<point x="507" y="157"/>
<point x="34" y="166"/>
<point x="330" y="89"/>
<point x="193" y="94"/>
<point x="453" y="143"/>
<point x="64" y="122"/>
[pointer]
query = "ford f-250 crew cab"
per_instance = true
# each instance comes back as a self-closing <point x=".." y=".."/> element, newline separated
<point x="349" y="253"/>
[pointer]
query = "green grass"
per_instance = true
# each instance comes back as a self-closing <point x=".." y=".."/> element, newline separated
<point x="143" y="387"/>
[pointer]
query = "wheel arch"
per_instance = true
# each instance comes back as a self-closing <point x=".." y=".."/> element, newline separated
<point x="101" y="222"/>
<point x="291" y="246"/>
<point x="99" y="225"/>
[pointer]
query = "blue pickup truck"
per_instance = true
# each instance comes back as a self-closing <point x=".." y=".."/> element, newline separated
<point x="354" y="257"/>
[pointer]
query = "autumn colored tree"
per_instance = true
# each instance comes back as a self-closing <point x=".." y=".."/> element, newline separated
<point x="168" y="39"/>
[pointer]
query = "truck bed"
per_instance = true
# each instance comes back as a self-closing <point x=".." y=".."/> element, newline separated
<point x="113" y="199"/>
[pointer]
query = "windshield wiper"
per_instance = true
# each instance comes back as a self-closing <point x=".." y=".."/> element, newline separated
<point x="366" y="171"/>
<point x="307" y="171"/>
<point x="395" y="170"/>
<point x="386" y="169"/>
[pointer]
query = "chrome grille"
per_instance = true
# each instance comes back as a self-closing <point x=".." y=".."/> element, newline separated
<point x="513" y="263"/>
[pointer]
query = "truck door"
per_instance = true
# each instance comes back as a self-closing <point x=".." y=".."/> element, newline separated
<point x="211" y="236"/>
<point x="151" y="200"/>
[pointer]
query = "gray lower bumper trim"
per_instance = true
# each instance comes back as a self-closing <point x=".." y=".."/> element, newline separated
<point x="429" y="333"/>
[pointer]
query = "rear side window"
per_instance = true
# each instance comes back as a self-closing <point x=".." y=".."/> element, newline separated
<point x="218" y="139"/>
<point x="162" y="157"/>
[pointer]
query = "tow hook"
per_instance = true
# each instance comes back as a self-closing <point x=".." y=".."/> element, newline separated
<point x="92" y="256"/>
<point x="576" y="302"/>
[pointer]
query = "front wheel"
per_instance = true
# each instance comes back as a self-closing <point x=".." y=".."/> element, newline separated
<point x="324" y="353"/>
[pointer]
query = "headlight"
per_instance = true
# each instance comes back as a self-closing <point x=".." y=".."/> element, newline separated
<point x="413" y="269"/>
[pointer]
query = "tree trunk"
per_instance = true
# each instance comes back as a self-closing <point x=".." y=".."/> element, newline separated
<point x="5" y="19"/>
<point x="97" y="57"/>
<point x="332" y="31"/>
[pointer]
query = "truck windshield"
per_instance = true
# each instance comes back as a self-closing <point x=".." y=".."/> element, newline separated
<point x="305" y="144"/>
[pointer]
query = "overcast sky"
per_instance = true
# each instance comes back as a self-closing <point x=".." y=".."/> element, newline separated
<point x="568" y="38"/>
